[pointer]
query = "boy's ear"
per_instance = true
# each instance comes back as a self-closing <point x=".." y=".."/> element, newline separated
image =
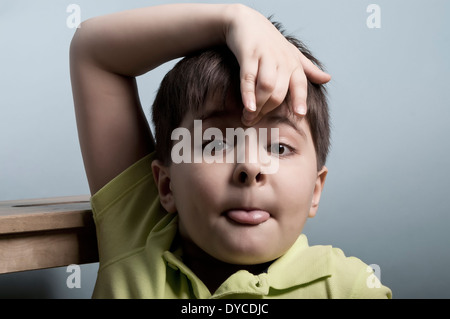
<point x="320" y="181"/>
<point x="162" y="181"/>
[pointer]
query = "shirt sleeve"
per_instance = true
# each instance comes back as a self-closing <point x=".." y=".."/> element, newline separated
<point x="353" y="279"/>
<point x="369" y="286"/>
<point x="126" y="210"/>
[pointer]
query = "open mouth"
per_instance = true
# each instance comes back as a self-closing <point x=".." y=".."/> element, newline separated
<point x="244" y="216"/>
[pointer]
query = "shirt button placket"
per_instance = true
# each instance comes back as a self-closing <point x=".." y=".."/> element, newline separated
<point x="261" y="285"/>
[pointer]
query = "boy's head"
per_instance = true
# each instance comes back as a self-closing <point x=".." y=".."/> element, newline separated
<point x="233" y="211"/>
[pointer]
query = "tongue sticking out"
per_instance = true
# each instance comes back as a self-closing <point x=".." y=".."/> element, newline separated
<point x="248" y="217"/>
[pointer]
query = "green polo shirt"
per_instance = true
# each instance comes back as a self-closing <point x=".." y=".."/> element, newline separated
<point x="140" y="256"/>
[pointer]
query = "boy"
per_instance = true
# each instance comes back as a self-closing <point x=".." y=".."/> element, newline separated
<point x="205" y="229"/>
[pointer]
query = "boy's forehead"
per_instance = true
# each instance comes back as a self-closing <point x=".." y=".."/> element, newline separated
<point x="214" y="106"/>
<point x="218" y="104"/>
<point x="218" y="107"/>
<point x="233" y="107"/>
<point x="284" y="115"/>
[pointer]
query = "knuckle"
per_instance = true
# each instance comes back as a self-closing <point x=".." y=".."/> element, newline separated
<point x="249" y="78"/>
<point x="266" y="85"/>
<point x="278" y="96"/>
<point x="299" y="76"/>
<point x="274" y="101"/>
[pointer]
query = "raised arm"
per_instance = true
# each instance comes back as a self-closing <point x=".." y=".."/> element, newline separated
<point x="108" y="52"/>
<point x="106" y="55"/>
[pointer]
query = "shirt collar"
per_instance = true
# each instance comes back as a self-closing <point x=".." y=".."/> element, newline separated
<point x="300" y="265"/>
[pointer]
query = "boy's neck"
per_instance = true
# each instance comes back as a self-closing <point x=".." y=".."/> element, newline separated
<point x="213" y="272"/>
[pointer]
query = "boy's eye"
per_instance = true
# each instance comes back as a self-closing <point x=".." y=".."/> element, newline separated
<point x="215" y="146"/>
<point x="279" y="149"/>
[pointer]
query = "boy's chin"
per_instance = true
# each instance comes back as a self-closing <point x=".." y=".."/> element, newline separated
<point x="247" y="258"/>
<point x="252" y="248"/>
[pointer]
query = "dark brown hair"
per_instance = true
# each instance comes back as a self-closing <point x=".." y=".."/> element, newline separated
<point x="202" y="74"/>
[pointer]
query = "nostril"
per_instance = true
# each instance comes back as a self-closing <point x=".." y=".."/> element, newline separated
<point x="242" y="177"/>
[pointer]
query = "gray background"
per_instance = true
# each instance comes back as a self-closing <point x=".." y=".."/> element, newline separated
<point x="385" y="199"/>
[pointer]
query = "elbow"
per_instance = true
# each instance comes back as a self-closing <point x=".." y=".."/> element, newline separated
<point x="76" y="45"/>
<point x="81" y="40"/>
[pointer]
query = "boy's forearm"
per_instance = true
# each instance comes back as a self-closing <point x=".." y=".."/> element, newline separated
<point x="133" y="42"/>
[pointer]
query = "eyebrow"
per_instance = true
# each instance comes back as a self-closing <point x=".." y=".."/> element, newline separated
<point x="276" y="119"/>
<point x="209" y="116"/>
<point x="279" y="119"/>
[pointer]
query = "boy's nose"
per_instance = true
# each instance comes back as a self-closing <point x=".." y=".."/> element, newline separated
<point x="247" y="174"/>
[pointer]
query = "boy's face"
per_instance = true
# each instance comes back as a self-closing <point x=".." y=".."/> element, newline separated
<point x="235" y="212"/>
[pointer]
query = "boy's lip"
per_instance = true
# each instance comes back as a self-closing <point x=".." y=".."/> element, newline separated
<point x="247" y="216"/>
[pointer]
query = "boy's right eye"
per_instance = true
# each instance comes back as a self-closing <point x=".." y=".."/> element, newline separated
<point x="211" y="147"/>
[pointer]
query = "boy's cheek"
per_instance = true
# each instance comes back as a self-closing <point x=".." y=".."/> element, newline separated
<point x="296" y="195"/>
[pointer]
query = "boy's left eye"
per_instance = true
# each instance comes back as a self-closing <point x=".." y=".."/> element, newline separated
<point x="279" y="149"/>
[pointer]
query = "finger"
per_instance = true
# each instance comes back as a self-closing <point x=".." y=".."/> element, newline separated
<point x="276" y="97"/>
<point x="278" y="94"/>
<point x="312" y="71"/>
<point x="298" y="91"/>
<point x="248" y="117"/>
<point x="262" y="84"/>
<point x="265" y="83"/>
<point x="248" y="73"/>
<point x="252" y="120"/>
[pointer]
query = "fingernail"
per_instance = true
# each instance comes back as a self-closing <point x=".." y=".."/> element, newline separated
<point x="251" y="106"/>
<point x="300" y="109"/>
